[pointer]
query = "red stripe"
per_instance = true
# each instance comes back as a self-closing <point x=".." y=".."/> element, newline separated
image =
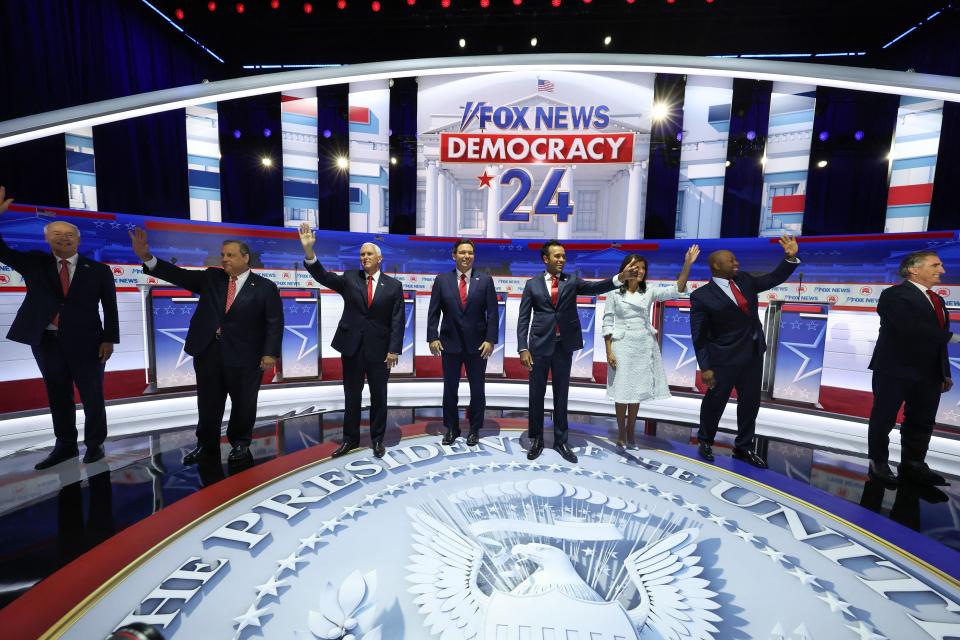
<point x="67" y="213"/>
<point x="595" y="246"/>
<point x="677" y="303"/>
<point x="451" y="240"/>
<point x="787" y="204"/>
<point x="290" y="293"/>
<point x="874" y="237"/>
<point x="910" y="194"/>
<point x="360" y="115"/>
<point x="171" y="293"/>
<point x="802" y="308"/>
<point x="220" y="230"/>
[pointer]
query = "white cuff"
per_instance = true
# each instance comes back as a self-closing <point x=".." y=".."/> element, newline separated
<point x="955" y="337"/>
<point x="616" y="281"/>
<point x="310" y="261"/>
<point x="151" y="263"/>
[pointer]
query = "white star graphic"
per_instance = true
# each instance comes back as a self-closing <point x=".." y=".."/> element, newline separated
<point x="392" y="489"/>
<point x="682" y="360"/>
<point x="773" y="554"/>
<point x="310" y="541"/>
<point x="289" y="563"/>
<point x="249" y="619"/>
<point x="804" y="577"/>
<point x="183" y="358"/>
<point x="371" y="498"/>
<point x="796" y="346"/>
<point x="720" y="521"/>
<point x="269" y="588"/>
<point x="835" y="603"/>
<point x="554" y="467"/>
<point x="452" y="471"/>
<point x="413" y="480"/>
<point x="745" y="535"/>
<point x="865" y="632"/>
<point x="305" y="338"/>
<point x="352" y="511"/>
<point x="331" y="525"/>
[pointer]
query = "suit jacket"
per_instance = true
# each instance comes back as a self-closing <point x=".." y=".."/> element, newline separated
<point x="539" y="336"/>
<point x="253" y="327"/>
<point x="80" y="325"/>
<point x="463" y="327"/>
<point x="911" y="343"/>
<point x="378" y="329"/>
<point x="723" y="335"/>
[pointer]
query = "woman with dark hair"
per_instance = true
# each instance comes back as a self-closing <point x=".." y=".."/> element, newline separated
<point x="634" y="368"/>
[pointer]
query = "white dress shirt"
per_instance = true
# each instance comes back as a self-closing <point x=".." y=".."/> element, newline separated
<point x="150" y="264"/>
<point x="71" y="269"/>
<point x="469" y="274"/>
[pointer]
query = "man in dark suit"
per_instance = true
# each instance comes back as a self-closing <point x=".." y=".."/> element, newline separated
<point x="910" y="368"/>
<point x="234" y="336"/>
<point x="467" y="300"/>
<point x="369" y="336"/>
<point x="729" y="343"/>
<point x="546" y="341"/>
<point x="60" y="320"/>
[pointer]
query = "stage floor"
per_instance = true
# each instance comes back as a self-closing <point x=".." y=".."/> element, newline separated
<point x="455" y="542"/>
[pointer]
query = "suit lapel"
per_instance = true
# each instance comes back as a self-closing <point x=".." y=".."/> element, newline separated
<point x="720" y="294"/>
<point x="80" y="274"/>
<point x="52" y="270"/>
<point x="247" y="288"/>
<point x="921" y="298"/>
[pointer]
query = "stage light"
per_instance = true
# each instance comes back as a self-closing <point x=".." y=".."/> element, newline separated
<point x="824" y="136"/>
<point x="342" y="162"/>
<point x="659" y="111"/>
<point x="554" y="3"/>
<point x="411" y="3"/>
<point x="727" y="163"/>
<point x="267" y="133"/>
<point x="462" y="43"/>
<point x="240" y="8"/>
<point x="178" y="14"/>
<point x="533" y="41"/>
<point x="445" y="4"/>
<point x="308" y="8"/>
<point x="211" y="6"/>
<point x="587" y="1"/>
<point x="375" y="6"/>
<point x="393" y="159"/>
<point x="484" y="4"/>
<point x="274" y="4"/>
<point x="607" y="40"/>
<point x="341" y="4"/>
<point x="751" y="135"/>
<point x="858" y="135"/>
<point x="671" y="1"/>
<point x="327" y="133"/>
<point x="679" y="136"/>
<point x="236" y="134"/>
<point x="517" y="3"/>
<point x="822" y="164"/>
<point x="631" y="1"/>
<point x="709" y="1"/>
<point x="266" y="161"/>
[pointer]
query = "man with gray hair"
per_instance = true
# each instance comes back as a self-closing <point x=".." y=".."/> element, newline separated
<point x="234" y="336"/>
<point x="60" y="320"/>
<point x="369" y="336"/>
<point x="910" y="369"/>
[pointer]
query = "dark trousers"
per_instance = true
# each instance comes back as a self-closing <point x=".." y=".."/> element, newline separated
<point x="746" y="379"/>
<point x="920" y="399"/>
<point x="356" y="368"/>
<point x="476" y="370"/>
<point x="216" y="381"/>
<point x="62" y="368"/>
<point x="559" y="364"/>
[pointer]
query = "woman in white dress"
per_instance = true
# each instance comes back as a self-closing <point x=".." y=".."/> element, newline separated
<point x="634" y="368"/>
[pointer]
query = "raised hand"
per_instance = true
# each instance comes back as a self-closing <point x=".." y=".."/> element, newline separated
<point x="307" y="238"/>
<point x="692" y="253"/>
<point x="631" y="271"/>
<point x="138" y="241"/>
<point x="4" y="200"/>
<point x="789" y="244"/>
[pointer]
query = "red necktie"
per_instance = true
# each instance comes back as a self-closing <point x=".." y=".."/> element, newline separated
<point x="741" y="300"/>
<point x="64" y="284"/>
<point x="463" y="290"/>
<point x="231" y="291"/>
<point x="369" y="291"/>
<point x="938" y="307"/>
<point x="554" y="296"/>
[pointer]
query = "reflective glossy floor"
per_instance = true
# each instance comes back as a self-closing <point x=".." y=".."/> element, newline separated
<point x="49" y="518"/>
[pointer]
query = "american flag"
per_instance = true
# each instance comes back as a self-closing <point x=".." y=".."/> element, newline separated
<point x="544" y="86"/>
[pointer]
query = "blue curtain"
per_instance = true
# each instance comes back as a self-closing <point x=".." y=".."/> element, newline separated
<point x="743" y="181"/>
<point x="332" y="143"/>
<point x="403" y="147"/>
<point x="663" y="176"/>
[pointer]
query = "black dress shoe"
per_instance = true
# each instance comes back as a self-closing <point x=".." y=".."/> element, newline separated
<point x="56" y="456"/>
<point x="450" y="436"/>
<point x="705" y="451"/>
<point x="94" y="453"/>
<point x="239" y="452"/>
<point x="378" y="449"/>
<point x="473" y="439"/>
<point x="565" y="452"/>
<point x="346" y="447"/>
<point x="920" y="473"/>
<point x="536" y="448"/>
<point x="199" y="453"/>
<point x="881" y="472"/>
<point x="749" y="457"/>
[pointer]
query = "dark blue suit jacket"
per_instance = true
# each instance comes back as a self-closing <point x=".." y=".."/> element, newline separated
<point x="80" y="326"/>
<point x="468" y="327"/>
<point x="723" y="335"/>
<point x="253" y="327"/>
<point x="539" y="336"/>
<point x="379" y="328"/>
<point x="911" y="343"/>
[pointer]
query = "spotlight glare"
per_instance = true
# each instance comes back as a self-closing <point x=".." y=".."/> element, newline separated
<point x="462" y="43"/>
<point x="211" y="6"/>
<point x="178" y="14"/>
<point x="267" y="133"/>
<point x="858" y="135"/>
<point x="727" y="163"/>
<point x="824" y="136"/>
<point x="445" y="4"/>
<point x="375" y="6"/>
<point x="342" y="162"/>
<point x="411" y="3"/>
<point x="266" y="161"/>
<point x="484" y="4"/>
<point x="659" y="111"/>
<point x="607" y="40"/>
<point x="327" y="133"/>
<point x="517" y="3"/>
<point x="751" y="135"/>
<point x="274" y="4"/>
<point x="341" y="4"/>
<point x="240" y="8"/>
<point x="554" y="3"/>
<point x="308" y="8"/>
<point x="393" y="159"/>
<point x="236" y="134"/>
<point x="533" y="41"/>
<point x="822" y="164"/>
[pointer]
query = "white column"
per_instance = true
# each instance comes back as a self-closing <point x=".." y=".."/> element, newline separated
<point x="430" y="203"/>
<point x="566" y="184"/>
<point x="632" y="224"/>
<point x="443" y="203"/>
<point x="493" y="205"/>
<point x="457" y="210"/>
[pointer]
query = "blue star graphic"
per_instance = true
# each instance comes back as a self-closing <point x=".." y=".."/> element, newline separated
<point x="805" y="359"/>
<point x="304" y="338"/>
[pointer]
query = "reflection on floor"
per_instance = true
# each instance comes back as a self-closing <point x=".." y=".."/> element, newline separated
<point x="49" y="518"/>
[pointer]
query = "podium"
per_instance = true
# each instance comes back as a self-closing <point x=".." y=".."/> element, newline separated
<point x="495" y="361"/>
<point x="949" y="410"/>
<point x="796" y="338"/>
